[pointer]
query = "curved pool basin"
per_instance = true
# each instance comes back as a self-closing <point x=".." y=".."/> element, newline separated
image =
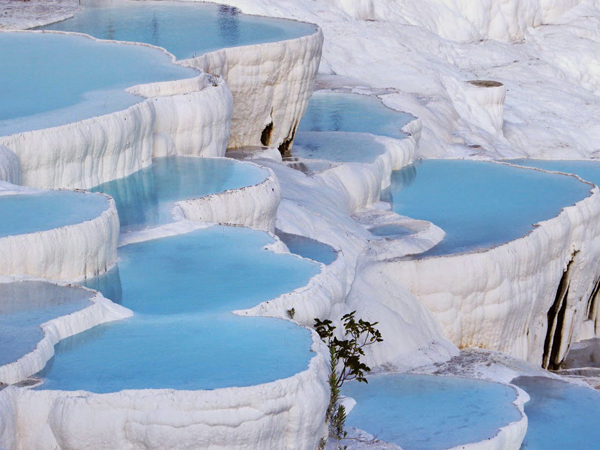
<point x="480" y="204"/>
<point x="308" y="248"/>
<point x="337" y="147"/>
<point x="419" y="412"/>
<point x="146" y="197"/>
<point x="183" y="335"/>
<point x="561" y="415"/>
<point x="51" y="79"/>
<point x="25" y="306"/>
<point x="333" y="111"/>
<point x="185" y="29"/>
<point x="43" y="211"/>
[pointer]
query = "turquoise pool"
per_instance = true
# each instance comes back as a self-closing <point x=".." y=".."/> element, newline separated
<point x="51" y="79"/>
<point x="337" y="147"/>
<point x="479" y="204"/>
<point x="420" y="412"/>
<point x="30" y="213"/>
<point x="25" y="305"/>
<point x="184" y="29"/>
<point x="328" y="111"/>
<point x="308" y="248"/>
<point x="561" y="415"/>
<point x="183" y="335"/>
<point x="146" y="197"/>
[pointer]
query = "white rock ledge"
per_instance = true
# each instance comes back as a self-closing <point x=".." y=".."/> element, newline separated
<point x="271" y="84"/>
<point x="182" y="117"/>
<point x="81" y="250"/>
<point x="252" y="206"/>
<point x="100" y="311"/>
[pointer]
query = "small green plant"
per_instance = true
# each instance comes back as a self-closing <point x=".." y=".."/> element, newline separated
<point x="291" y="313"/>
<point x="345" y="362"/>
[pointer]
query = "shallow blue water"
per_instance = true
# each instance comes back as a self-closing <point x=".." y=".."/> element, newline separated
<point x="26" y="305"/>
<point x="390" y="231"/>
<point x="183" y="334"/>
<point x="587" y="170"/>
<point x="308" y="248"/>
<point x="561" y="415"/>
<point x="146" y="197"/>
<point x="352" y="112"/>
<point x="184" y="29"/>
<point x="337" y="147"/>
<point x="52" y="79"/>
<point x="479" y="204"/>
<point x="28" y="213"/>
<point x="430" y="413"/>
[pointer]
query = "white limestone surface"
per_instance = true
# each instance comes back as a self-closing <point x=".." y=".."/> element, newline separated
<point x="271" y="84"/>
<point x="10" y="168"/>
<point x="182" y="117"/>
<point x="251" y="206"/>
<point x="500" y="298"/>
<point x="8" y="418"/>
<point x="18" y="15"/>
<point x="81" y="250"/>
<point x="100" y="311"/>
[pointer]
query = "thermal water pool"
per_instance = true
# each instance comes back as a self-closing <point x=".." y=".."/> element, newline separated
<point x="561" y="415"/>
<point x="333" y="111"/>
<point x="25" y="306"/>
<point x="146" y="197"/>
<point x="479" y="204"/>
<point x="184" y="29"/>
<point x="337" y="147"/>
<point x="308" y="248"/>
<point x="183" y="335"/>
<point x="430" y="413"/>
<point x="51" y="79"/>
<point x="30" y="213"/>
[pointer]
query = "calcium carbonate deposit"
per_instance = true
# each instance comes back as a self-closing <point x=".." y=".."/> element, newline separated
<point x="186" y="186"/>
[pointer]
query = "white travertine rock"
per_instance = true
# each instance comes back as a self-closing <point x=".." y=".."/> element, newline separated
<point x="100" y="311"/>
<point x="480" y="102"/>
<point x="8" y="418"/>
<point x="10" y="168"/>
<point x="251" y="206"/>
<point x="462" y="20"/>
<point x="271" y="84"/>
<point x="81" y="250"/>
